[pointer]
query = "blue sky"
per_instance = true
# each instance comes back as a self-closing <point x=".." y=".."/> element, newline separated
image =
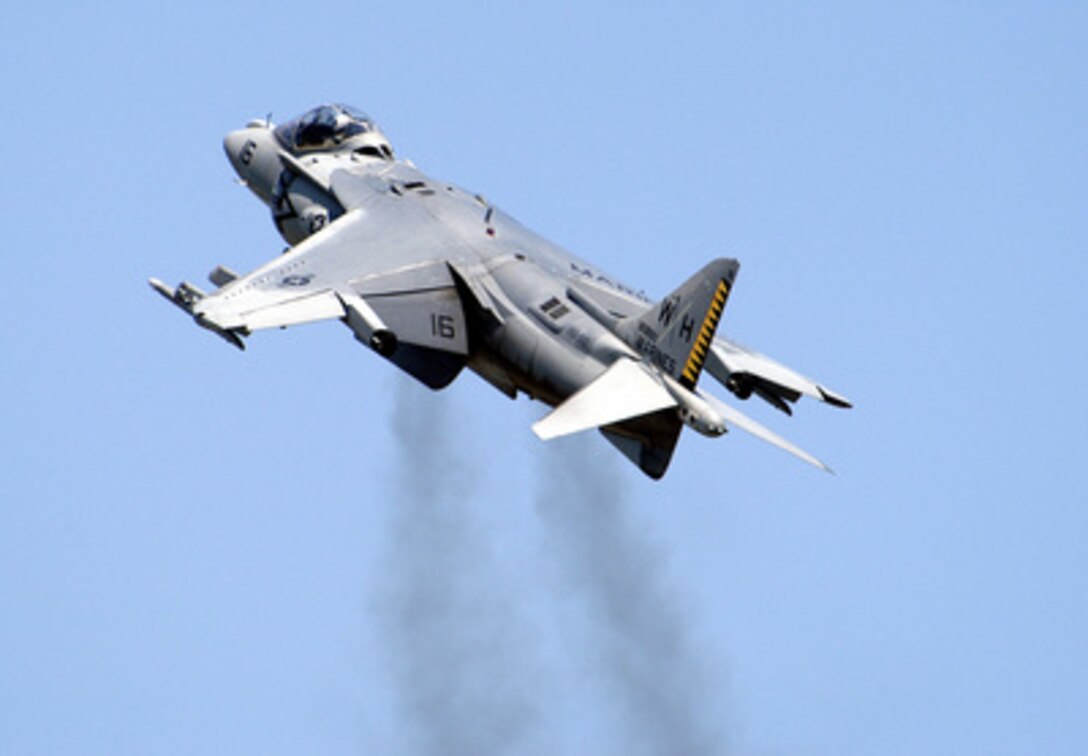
<point x="296" y="550"/>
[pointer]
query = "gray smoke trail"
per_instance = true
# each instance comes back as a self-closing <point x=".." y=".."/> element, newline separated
<point x="641" y="644"/>
<point x="454" y="645"/>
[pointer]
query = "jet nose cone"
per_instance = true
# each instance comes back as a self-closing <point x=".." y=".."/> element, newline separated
<point x="254" y="155"/>
<point x="234" y="144"/>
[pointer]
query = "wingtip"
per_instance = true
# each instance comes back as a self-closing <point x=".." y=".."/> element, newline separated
<point x="543" y="435"/>
<point x="834" y="399"/>
<point x="819" y="464"/>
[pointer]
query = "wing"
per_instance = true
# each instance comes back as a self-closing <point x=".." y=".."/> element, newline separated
<point x="383" y="268"/>
<point x="387" y="244"/>
<point x="745" y="372"/>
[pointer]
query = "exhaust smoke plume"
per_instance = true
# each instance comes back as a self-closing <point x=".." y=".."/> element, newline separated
<point x="640" y="644"/>
<point x="460" y="660"/>
<point x="455" y="649"/>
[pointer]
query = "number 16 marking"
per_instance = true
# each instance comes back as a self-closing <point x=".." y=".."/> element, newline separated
<point x="442" y="326"/>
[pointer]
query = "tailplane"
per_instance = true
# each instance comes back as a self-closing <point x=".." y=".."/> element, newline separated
<point x="631" y="407"/>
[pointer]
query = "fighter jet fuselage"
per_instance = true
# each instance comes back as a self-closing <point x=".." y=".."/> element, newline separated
<point x="435" y="278"/>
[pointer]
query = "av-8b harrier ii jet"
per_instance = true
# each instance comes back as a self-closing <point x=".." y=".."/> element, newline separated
<point x="435" y="279"/>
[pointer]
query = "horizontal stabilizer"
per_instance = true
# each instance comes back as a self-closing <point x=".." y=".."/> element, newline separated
<point x="745" y="371"/>
<point x="625" y="390"/>
<point x="742" y="421"/>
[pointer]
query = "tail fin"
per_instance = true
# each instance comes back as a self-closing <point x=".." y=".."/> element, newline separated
<point x="676" y="333"/>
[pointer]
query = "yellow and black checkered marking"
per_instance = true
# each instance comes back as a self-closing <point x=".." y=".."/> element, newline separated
<point x="697" y="357"/>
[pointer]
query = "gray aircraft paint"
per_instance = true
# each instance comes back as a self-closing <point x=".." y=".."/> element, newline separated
<point x="435" y="279"/>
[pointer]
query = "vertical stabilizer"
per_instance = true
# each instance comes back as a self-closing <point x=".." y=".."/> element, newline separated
<point x="675" y="334"/>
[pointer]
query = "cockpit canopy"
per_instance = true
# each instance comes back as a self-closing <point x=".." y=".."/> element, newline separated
<point x="331" y="128"/>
